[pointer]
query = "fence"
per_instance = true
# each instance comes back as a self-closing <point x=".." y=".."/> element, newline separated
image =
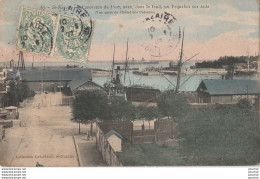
<point x="108" y="154"/>
<point x="143" y="136"/>
<point x="165" y="130"/>
<point x="2" y="133"/>
<point x="67" y="100"/>
<point x="6" y="123"/>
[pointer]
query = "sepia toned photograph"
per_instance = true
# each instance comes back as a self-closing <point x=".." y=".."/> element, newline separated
<point x="129" y="83"/>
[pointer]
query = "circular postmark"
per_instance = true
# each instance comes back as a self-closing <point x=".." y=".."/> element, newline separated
<point x="36" y="31"/>
<point x="80" y="12"/>
<point x="74" y="33"/>
<point x="163" y="34"/>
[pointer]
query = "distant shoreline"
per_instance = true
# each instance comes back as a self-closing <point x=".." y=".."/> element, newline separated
<point x="96" y="61"/>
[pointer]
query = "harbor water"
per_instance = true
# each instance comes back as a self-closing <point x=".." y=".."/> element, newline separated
<point x="162" y="82"/>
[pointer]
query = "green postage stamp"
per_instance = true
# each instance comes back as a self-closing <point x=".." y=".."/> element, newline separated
<point x="53" y="34"/>
<point x="73" y="37"/>
<point x="36" y="30"/>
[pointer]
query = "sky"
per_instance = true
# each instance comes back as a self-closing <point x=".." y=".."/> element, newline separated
<point x="222" y="27"/>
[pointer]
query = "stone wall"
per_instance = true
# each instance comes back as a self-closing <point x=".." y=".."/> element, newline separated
<point x="107" y="152"/>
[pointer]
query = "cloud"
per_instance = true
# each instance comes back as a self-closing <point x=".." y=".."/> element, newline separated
<point x="234" y="21"/>
<point x="233" y="43"/>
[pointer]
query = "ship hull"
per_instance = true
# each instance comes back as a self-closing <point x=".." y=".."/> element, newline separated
<point x="141" y="94"/>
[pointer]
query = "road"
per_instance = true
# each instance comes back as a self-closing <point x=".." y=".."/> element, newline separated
<point x="88" y="154"/>
<point x="45" y="135"/>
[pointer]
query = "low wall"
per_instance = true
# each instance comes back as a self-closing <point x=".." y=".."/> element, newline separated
<point x="107" y="152"/>
<point x="6" y="123"/>
<point x="165" y="129"/>
<point x="147" y="139"/>
<point x="143" y="136"/>
<point x="2" y="133"/>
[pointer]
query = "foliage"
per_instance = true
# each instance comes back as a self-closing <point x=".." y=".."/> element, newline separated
<point x="173" y="105"/>
<point x="120" y="109"/>
<point x="244" y="104"/>
<point x="17" y="92"/>
<point x="126" y="110"/>
<point x="226" y="60"/>
<point x="149" y="155"/>
<point x="148" y="113"/>
<point x="89" y="105"/>
<point x="223" y="136"/>
<point x="163" y="103"/>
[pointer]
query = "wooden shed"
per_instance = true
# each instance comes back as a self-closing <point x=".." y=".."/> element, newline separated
<point x="115" y="140"/>
<point x="228" y="91"/>
<point x="12" y="112"/>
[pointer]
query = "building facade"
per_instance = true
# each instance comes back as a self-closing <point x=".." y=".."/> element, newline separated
<point x="216" y="91"/>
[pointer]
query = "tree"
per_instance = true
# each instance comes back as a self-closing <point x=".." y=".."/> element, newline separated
<point x="141" y="114"/>
<point x="11" y="97"/>
<point x="89" y="105"/>
<point x="120" y="109"/>
<point x="17" y="92"/>
<point x="226" y="60"/>
<point x="173" y="105"/>
<point x="148" y="113"/>
<point x="163" y="103"/>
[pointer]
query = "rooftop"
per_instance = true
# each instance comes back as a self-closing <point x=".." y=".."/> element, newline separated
<point x="111" y="132"/>
<point x="227" y="87"/>
<point x="11" y="108"/>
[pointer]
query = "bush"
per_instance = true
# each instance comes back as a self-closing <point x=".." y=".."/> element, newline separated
<point x="222" y="136"/>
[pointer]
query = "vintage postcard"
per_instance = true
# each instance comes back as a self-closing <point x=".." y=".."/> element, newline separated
<point x="129" y="83"/>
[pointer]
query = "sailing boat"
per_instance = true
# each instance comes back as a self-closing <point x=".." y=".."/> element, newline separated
<point x="179" y="67"/>
<point x="114" y="87"/>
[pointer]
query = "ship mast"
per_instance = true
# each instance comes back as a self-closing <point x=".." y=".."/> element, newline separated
<point x="21" y="61"/>
<point x="112" y="74"/>
<point x="179" y="66"/>
<point x="248" y="58"/>
<point x="33" y="62"/>
<point x="126" y="60"/>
